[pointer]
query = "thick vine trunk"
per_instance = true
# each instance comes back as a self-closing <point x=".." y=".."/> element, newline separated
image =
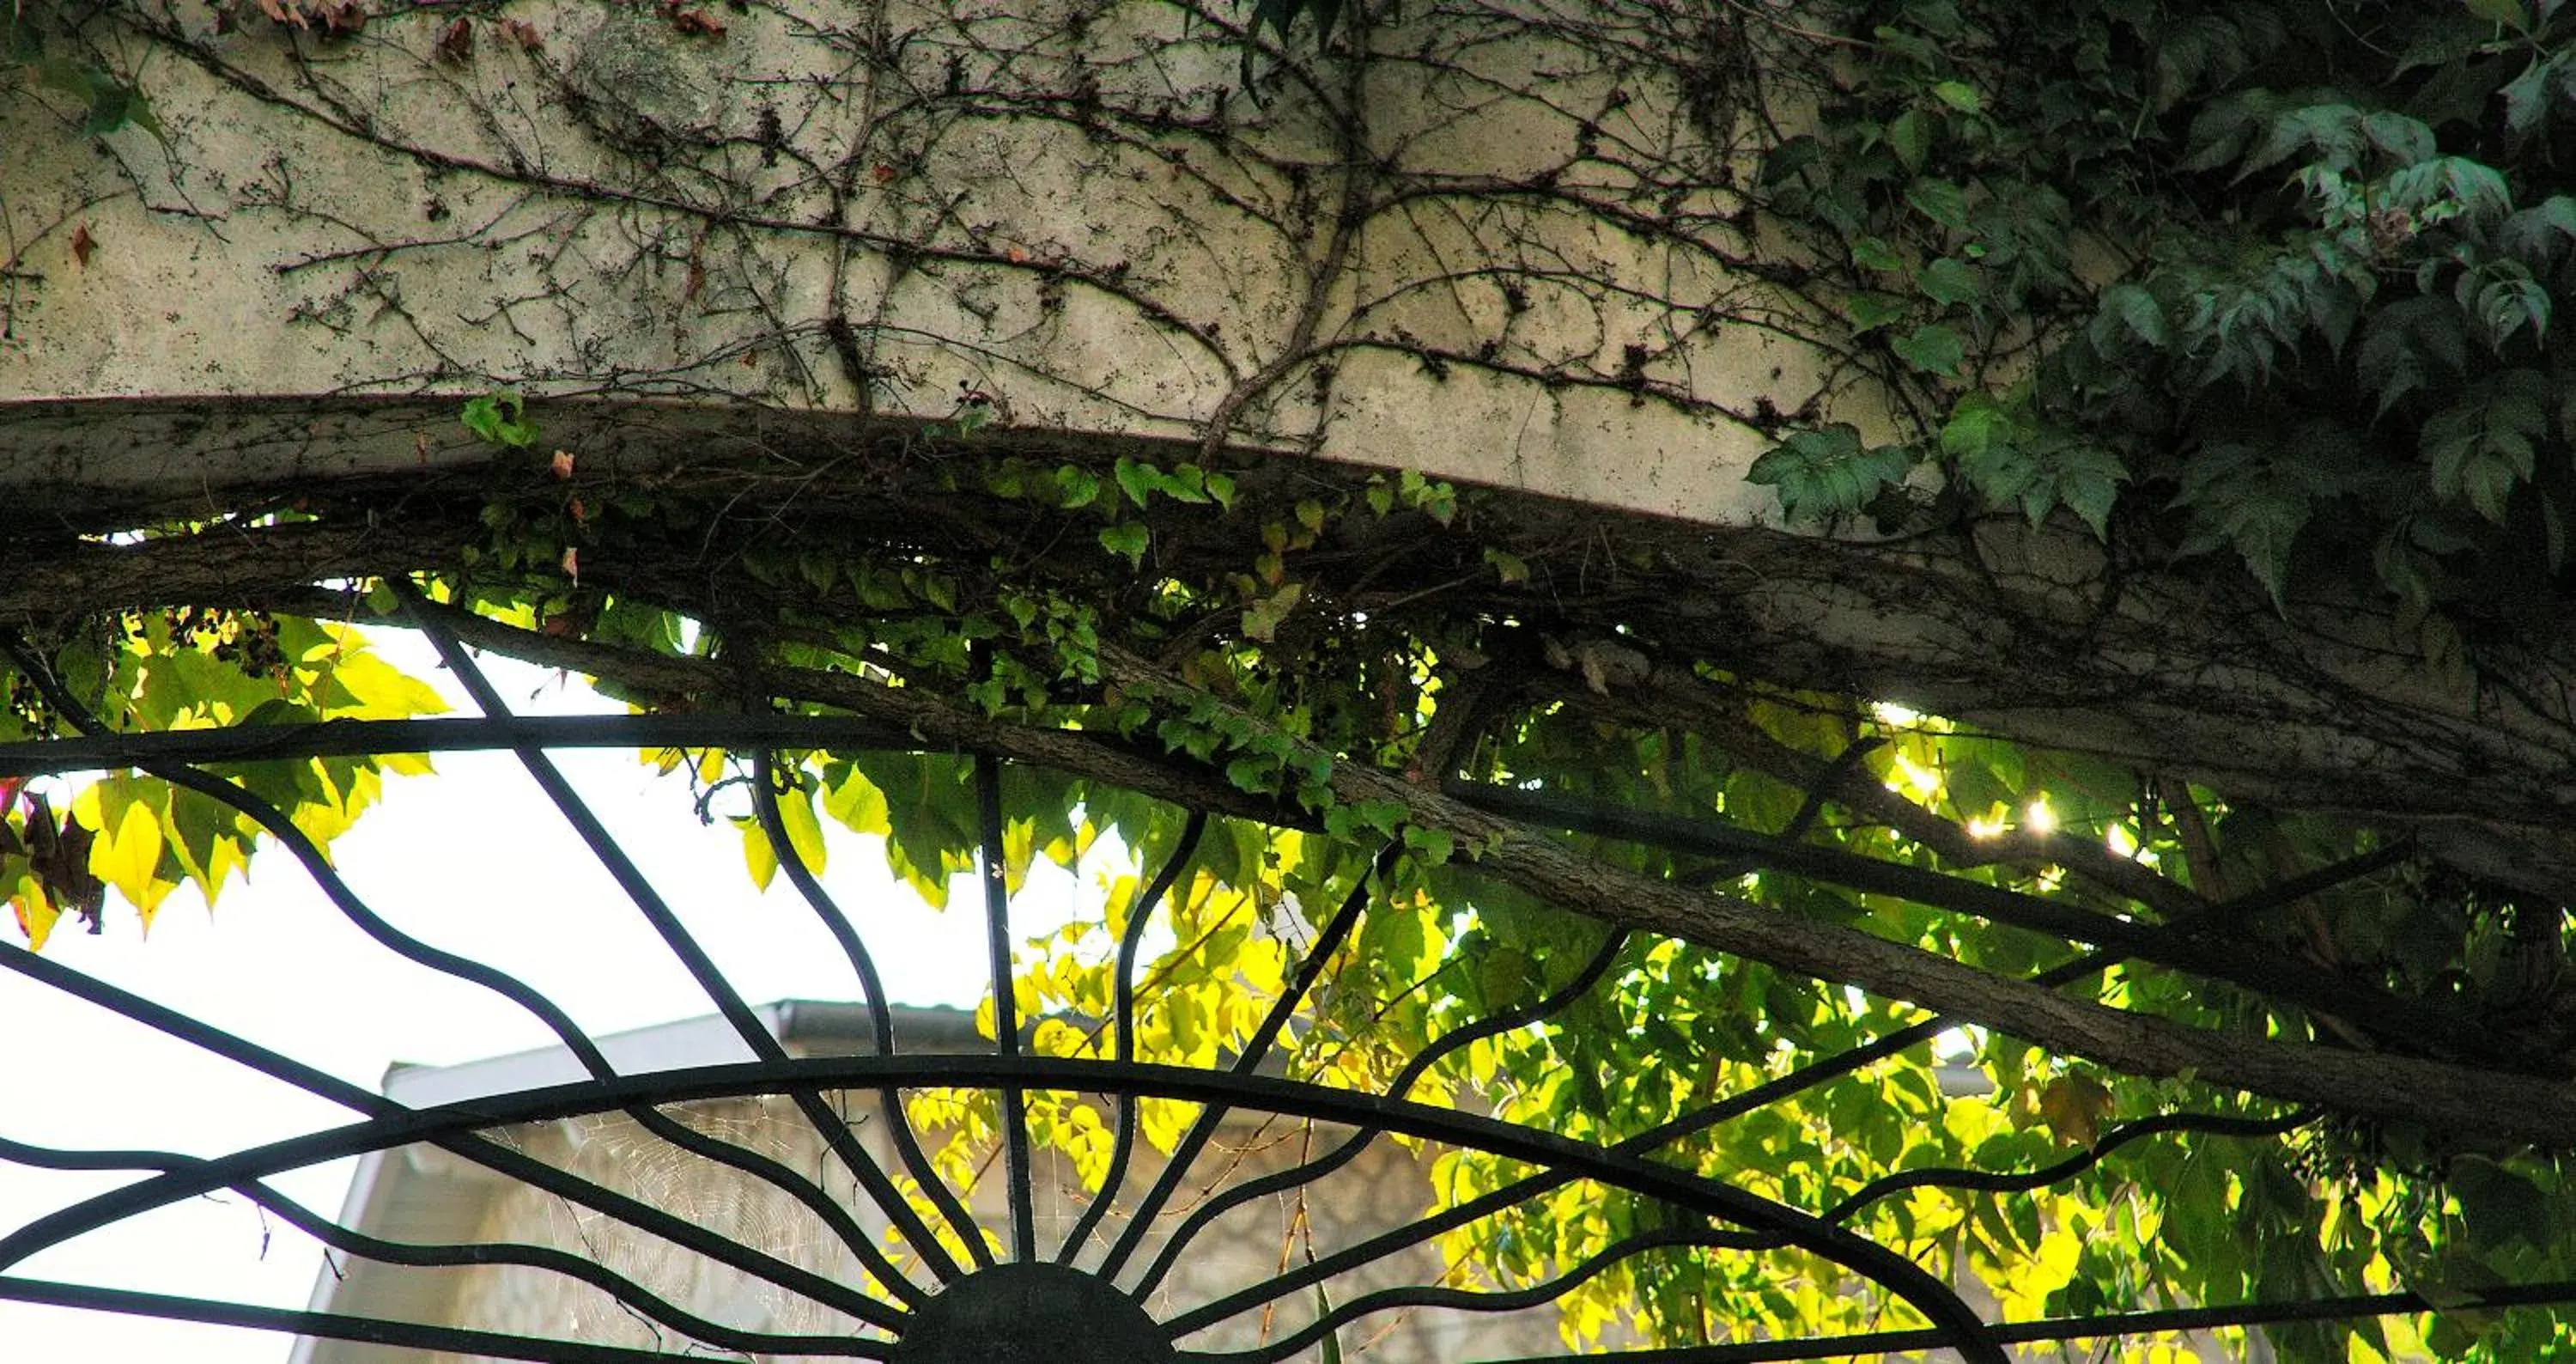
<point x="2043" y="638"/>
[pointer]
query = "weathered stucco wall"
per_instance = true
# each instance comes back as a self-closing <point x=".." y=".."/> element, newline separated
<point x="1502" y="247"/>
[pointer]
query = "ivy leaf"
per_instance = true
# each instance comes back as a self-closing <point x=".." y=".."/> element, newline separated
<point x="2130" y="309"/>
<point x="1950" y="282"/>
<point x="1136" y="480"/>
<point x="2410" y="343"/>
<point x="1940" y="201"/>
<point x="1977" y="423"/>
<point x="1933" y="349"/>
<point x="1262" y="619"/>
<point x="498" y="418"/>
<point x="1871" y="253"/>
<point x="2526" y="97"/>
<point x="2483" y="447"/>
<point x="2506" y="305"/>
<point x="2075" y="1107"/>
<point x="2012" y="466"/>
<point x="1870" y="310"/>
<point x="1825" y="472"/>
<point x="2537" y="234"/>
<point x="1128" y="540"/>
<point x="1909" y="135"/>
<point x="2254" y="500"/>
<point x="2507" y="12"/>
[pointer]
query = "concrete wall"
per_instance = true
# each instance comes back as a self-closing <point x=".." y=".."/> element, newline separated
<point x="1505" y="247"/>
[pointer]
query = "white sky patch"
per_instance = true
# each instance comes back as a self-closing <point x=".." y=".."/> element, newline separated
<point x="473" y="860"/>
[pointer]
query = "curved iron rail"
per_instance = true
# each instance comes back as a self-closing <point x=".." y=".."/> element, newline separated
<point x="462" y="1128"/>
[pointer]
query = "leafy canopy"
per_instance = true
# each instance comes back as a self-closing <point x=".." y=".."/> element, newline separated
<point x="2270" y="281"/>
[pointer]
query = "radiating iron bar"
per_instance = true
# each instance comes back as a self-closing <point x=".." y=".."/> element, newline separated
<point x="1955" y="1324"/>
<point x="576" y="1042"/>
<point x="1123" y="1022"/>
<point x="1356" y="1143"/>
<point x="2197" y="954"/>
<point x="36" y="1157"/>
<point x="1682" y="1188"/>
<point x="193" y="1031"/>
<point x="778" y="1174"/>
<point x="549" y="1260"/>
<point x="356" y="910"/>
<point x="645" y="1217"/>
<point x="993" y="852"/>
<point x="313" y="1081"/>
<point x="2015" y="1181"/>
<point x="791" y="860"/>
<point x="450" y="1340"/>
<point x="1474" y="1300"/>
<point x="451" y="1127"/>
<point x="358" y="1243"/>
<point x="2093" y="1326"/>
<point x="119" y="1203"/>
<point x="447" y="734"/>
<point x="1255" y="1050"/>
<point x="546" y="1259"/>
<point x="729" y="1003"/>
<point x="325" y="877"/>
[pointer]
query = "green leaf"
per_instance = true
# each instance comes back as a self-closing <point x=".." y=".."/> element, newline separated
<point x="1824" y="473"/>
<point x="497" y="418"/>
<point x="1870" y="253"/>
<point x="1080" y="486"/>
<point x="1933" y="349"/>
<point x="1959" y="96"/>
<point x="1136" y="480"/>
<point x="757" y="855"/>
<point x="1950" y="282"/>
<point x="1940" y="201"/>
<point x="2537" y="234"/>
<point x="1976" y="423"/>
<point x="2255" y="500"/>
<point x="2507" y="305"/>
<point x="2483" y="447"/>
<point x="1262" y="619"/>
<point x="1909" y="135"/>
<point x="1870" y="310"/>
<point x="1127" y="540"/>
<point x="2510" y="13"/>
<point x="804" y="833"/>
<point x="2136" y="312"/>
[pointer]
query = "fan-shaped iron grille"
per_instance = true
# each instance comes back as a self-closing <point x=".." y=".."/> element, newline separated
<point x="894" y="1260"/>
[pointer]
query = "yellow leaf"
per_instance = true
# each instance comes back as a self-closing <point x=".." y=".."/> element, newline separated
<point x="796" y="812"/>
<point x="377" y="689"/>
<point x="2074" y="1107"/>
<point x="1019" y="845"/>
<point x="126" y="853"/>
<point x="36" y="914"/>
<point x="756" y="852"/>
<point x="859" y="805"/>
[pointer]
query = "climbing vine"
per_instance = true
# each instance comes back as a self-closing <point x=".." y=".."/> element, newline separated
<point x="2256" y="301"/>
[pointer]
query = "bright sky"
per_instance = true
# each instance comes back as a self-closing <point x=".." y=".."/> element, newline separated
<point x="472" y="860"/>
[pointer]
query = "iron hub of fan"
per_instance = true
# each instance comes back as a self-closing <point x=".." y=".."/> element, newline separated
<point x="1026" y="1313"/>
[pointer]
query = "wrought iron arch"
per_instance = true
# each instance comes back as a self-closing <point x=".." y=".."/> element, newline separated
<point x="935" y="1280"/>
